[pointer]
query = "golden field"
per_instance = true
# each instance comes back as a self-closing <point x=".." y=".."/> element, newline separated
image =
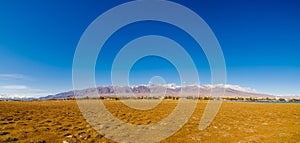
<point x="61" y="120"/>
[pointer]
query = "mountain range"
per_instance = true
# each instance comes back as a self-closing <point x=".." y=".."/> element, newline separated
<point x="168" y="89"/>
<point x="157" y="90"/>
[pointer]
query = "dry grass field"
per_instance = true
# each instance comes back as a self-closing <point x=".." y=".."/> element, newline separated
<point x="61" y="121"/>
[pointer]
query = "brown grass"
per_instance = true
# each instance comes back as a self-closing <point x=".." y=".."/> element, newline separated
<point x="58" y="121"/>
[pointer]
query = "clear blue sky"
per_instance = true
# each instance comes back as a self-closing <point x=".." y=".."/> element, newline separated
<point x="260" y="41"/>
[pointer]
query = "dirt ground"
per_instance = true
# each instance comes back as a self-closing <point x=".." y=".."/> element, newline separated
<point x="62" y="121"/>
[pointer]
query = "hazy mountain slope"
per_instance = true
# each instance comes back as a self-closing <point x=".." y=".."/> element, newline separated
<point x="146" y="90"/>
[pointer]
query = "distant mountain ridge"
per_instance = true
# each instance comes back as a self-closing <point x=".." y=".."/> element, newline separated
<point x="146" y="90"/>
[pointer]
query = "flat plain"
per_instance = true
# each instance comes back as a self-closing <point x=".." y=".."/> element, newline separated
<point x="62" y="121"/>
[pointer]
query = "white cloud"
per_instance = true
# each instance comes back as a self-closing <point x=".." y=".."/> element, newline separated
<point x="14" y="87"/>
<point x="12" y="76"/>
<point x="22" y="95"/>
<point x="13" y="96"/>
<point x="21" y="91"/>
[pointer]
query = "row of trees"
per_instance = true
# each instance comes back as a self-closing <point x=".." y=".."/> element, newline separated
<point x="169" y="97"/>
<point x="267" y="99"/>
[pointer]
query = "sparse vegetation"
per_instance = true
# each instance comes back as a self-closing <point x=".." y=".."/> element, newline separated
<point x="169" y="97"/>
<point x="61" y="120"/>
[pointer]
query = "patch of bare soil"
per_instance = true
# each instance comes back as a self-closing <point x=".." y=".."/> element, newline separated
<point x="62" y="121"/>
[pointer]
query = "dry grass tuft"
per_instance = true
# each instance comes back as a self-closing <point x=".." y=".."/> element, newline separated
<point x="58" y="121"/>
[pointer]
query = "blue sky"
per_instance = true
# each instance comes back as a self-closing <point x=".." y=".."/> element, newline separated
<point x="260" y="41"/>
